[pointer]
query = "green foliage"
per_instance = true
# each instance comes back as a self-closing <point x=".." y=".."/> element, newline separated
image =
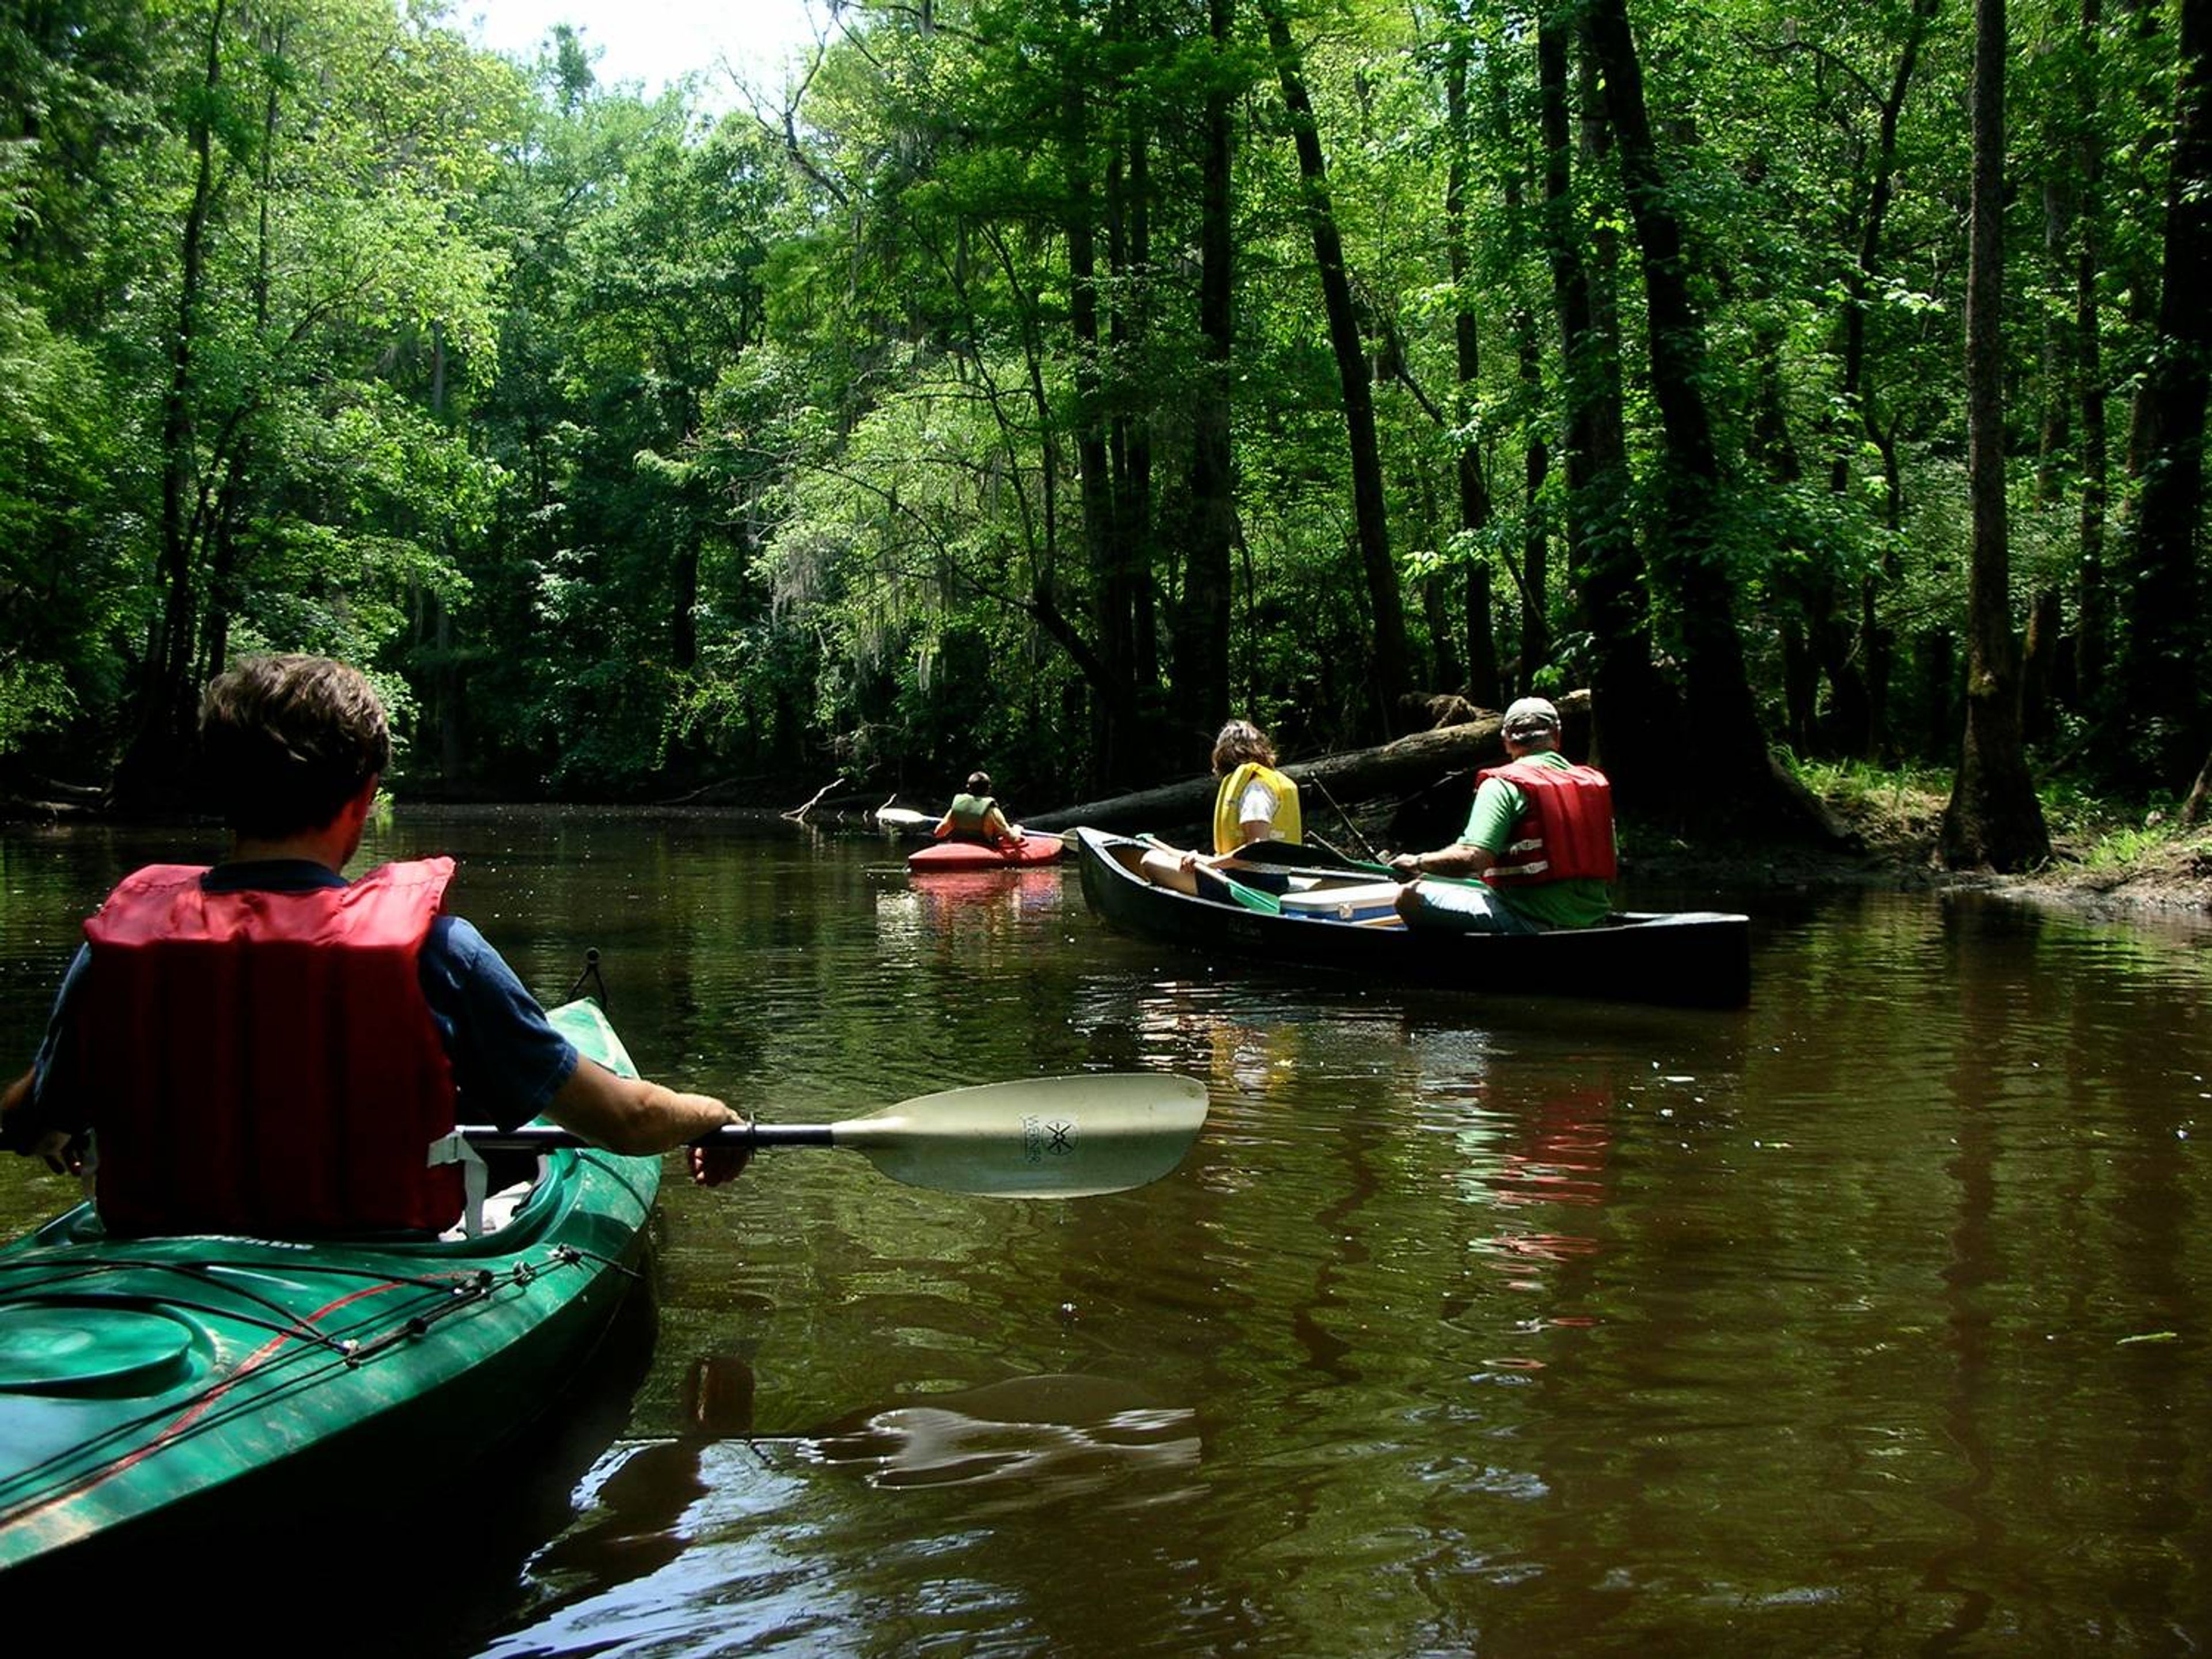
<point x="1892" y="789"/>
<point x="637" y="449"/>
<point x="34" y="697"/>
<point x="2129" y="846"/>
<point x="2102" y="834"/>
<point x="64" y="584"/>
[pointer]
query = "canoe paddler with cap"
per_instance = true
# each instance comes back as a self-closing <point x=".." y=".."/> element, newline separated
<point x="1537" y="852"/>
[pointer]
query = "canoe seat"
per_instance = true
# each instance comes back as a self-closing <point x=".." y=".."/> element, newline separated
<point x="1370" y="901"/>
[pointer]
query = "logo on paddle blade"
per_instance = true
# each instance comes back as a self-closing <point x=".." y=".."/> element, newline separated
<point x="1040" y="1140"/>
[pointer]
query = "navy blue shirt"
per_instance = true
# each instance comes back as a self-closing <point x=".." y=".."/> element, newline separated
<point x="509" y="1061"/>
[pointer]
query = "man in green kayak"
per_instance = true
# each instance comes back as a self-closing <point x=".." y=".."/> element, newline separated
<point x="267" y="1048"/>
<point x="1538" y="841"/>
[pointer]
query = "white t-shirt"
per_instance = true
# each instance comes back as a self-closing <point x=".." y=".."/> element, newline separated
<point x="1256" y="803"/>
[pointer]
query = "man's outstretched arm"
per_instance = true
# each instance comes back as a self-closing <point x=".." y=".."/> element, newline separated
<point x="637" y="1118"/>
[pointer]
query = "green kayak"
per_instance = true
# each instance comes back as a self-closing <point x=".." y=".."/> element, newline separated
<point x="147" y="1384"/>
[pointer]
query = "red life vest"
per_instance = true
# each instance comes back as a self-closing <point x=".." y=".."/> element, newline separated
<point x="1565" y="833"/>
<point x="263" y="1061"/>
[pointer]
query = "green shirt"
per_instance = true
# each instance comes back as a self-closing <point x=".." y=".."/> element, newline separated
<point x="1499" y="805"/>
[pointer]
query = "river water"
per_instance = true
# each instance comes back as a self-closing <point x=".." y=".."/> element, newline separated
<point x="1872" y="1319"/>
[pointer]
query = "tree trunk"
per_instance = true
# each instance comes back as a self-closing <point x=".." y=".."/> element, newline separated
<point x="1039" y="524"/>
<point x="1993" y="818"/>
<point x="1129" y="254"/>
<point x="1391" y="679"/>
<point x="2054" y="373"/>
<point x="2163" y="645"/>
<point x="1110" y="620"/>
<point x="2039" y="666"/>
<point x="225" y="587"/>
<point x="163" y="723"/>
<point x="1718" y="700"/>
<point x="1861" y="730"/>
<point x="1201" y="623"/>
<point x="2073" y="373"/>
<point x="2078" y="370"/>
<point x="1436" y="591"/>
<point x="1534" y="575"/>
<point x="684" y="533"/>
<point x="683" y="597"/>
<point x="1467" y="343"/>
<point x="2192" y="808"/>
<point x="2093" y="607"/>
<point x="1484" y="686"/>
<point x="1631" y="706"/>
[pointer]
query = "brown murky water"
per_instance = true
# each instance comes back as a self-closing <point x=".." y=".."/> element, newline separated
<point x="1872" y="1319"/>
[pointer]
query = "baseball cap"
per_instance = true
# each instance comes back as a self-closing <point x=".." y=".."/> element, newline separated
<point x="1528" y="716"/>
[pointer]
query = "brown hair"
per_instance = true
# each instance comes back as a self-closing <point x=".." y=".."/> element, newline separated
<point x="1238" y="742"/>
<point x="288" y="740"/>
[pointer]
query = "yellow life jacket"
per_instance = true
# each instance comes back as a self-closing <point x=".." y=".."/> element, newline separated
<point x="1228" y="829"/>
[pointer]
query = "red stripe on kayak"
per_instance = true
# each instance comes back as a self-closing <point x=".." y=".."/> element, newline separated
<point x="175" y="1429"/>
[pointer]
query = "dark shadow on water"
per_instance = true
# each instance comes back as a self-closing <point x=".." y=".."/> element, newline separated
<point x="632" y="1525"/>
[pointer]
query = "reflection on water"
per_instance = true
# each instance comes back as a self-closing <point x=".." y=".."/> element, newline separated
<point x="989" y="897"/>
<point x="679" y="1539"/>
<point x="1053" y="1437"/>
<point x="1873" y="1318"/>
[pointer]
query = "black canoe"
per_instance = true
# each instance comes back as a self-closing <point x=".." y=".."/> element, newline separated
<point x="1339" y="919"/>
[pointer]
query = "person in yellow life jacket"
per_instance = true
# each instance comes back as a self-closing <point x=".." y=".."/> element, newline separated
<point x="1254" y="802"/>
<point x="1538" y="842"/>
<point x="264" y="1047"/>
<point x="975" y="816"/>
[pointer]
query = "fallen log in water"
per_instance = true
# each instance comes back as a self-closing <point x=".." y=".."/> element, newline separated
<point x="1396" y="769"/>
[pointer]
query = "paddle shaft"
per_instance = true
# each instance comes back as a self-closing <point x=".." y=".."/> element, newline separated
<point x="542" y="1137"/>
<point x="1067" y="1137"/>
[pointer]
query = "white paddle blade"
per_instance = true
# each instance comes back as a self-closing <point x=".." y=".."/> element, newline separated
<point x="1054" y="1137"/>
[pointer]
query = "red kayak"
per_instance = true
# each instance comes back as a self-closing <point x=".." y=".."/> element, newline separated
<point x="971" y="855"/>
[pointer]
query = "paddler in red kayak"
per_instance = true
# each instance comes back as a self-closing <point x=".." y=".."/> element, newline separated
<point x="974" y="816"/>
<point x="265" y="1048"/>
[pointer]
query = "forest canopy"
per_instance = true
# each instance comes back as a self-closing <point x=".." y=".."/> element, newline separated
<point x="1032" y="384"/>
